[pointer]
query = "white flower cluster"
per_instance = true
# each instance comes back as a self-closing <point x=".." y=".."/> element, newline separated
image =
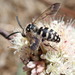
<point x="59" y="63"/>
<point x="62" y="61"/>
<point x="18" y="42"/>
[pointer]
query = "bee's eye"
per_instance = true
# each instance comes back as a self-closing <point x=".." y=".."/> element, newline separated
<point x="28" y="29"/>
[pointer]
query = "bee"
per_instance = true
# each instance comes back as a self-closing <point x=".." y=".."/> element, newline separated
<point x="42" y="33"/>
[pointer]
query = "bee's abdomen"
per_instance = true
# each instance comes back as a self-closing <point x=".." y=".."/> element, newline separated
<point x="53" y="36"/>
<point x="47" y="34"/>
<point x="43" y="32"/>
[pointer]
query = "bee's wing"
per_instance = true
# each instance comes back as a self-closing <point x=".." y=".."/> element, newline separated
<point x="35" y="45"/>
<point x="52" y="10"/>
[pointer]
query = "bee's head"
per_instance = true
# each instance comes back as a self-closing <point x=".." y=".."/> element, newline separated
<point x="31" y="27"/>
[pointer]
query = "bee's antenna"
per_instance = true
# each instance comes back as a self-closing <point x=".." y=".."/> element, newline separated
<point x="19" y="22"/>
<point x="20" y="25"/>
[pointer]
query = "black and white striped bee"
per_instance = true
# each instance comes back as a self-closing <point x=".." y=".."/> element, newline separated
<point x="44" y="32"/>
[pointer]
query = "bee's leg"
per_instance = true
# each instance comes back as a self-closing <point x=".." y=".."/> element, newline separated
<point x="53" y="48"/>
<point x="43" y="40"/>
<point x="50" y="46"/>
<point x="35" y="44"/>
